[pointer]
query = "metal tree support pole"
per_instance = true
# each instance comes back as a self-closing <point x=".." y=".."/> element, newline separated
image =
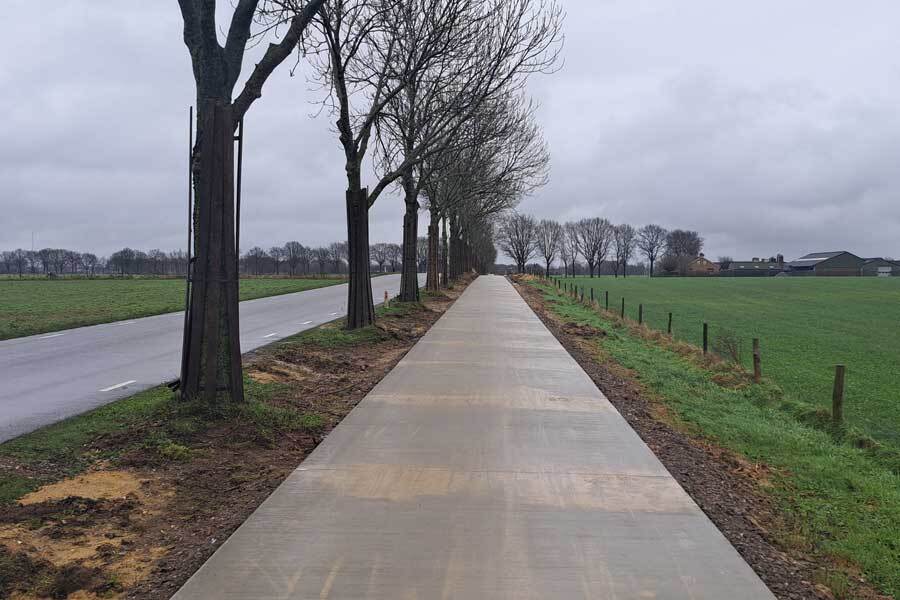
<point x="239" y="138"/>
<point x="190" y="219"/>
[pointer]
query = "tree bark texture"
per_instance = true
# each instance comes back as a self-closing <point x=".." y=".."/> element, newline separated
<point x="213" y="357"/>
<point x="360" y="308"/>
<point x="432" y="279"/>
<point x="409" y="278"/>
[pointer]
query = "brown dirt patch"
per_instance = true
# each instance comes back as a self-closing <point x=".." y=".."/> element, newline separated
<point x="727" y="487"/>
<point x="140" y="527"/>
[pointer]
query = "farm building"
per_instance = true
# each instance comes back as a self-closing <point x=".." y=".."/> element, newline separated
<point x="753" y="268"/>
<point x="880" y="267"/>
<point x="702" y="266"/>
<point x="827" y="264"/>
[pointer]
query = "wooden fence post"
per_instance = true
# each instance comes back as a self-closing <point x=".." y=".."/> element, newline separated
<point x="669" y="330"/>
<point x="837" y="397"/>
<point x="640" y="314"/>
<point x="757" y="370"/>
<point x="705" y="338"/>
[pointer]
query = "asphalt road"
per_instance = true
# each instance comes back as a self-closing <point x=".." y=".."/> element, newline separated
<point x="48" y="377"/>
<point x="485" y="465"/>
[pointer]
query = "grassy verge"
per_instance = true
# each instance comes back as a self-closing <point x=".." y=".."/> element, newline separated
<point x="806" y="325"/>
<point x="29" y="307"/>
<point x="150" y="421"/>
<point x="842" y="501"/>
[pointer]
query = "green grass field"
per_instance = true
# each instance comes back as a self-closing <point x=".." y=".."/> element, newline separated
<point x="34" y="306"/>
<point x="806" y="325"/>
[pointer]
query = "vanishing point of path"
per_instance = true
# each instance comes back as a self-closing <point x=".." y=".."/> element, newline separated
<point x="485" y="465"/>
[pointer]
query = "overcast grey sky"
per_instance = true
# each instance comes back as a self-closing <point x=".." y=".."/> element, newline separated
<point x="769" y="126"/>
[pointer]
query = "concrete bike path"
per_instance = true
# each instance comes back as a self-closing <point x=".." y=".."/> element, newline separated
<point x="485" y="465"/>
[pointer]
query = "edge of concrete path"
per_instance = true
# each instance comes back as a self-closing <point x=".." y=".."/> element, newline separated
<point x="739" y="562"/>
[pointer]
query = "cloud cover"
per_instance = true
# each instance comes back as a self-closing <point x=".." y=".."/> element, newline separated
<point x="767" y="126"/>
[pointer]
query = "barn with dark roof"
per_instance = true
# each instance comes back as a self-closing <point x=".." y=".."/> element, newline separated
<point x="828" y="264"/>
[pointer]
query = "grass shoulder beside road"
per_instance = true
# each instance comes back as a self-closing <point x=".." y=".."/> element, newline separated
<point x="132" y="497"/>
<point x="838" y="493"/>
<point x="33" y="306"/>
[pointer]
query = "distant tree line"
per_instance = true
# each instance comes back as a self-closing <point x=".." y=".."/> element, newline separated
<point x="293" y="258"/>
<point x="595" y="246"/>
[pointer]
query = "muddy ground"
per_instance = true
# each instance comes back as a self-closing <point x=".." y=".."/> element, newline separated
<point x="729" y="489"/>
<point x="139" y="525"/>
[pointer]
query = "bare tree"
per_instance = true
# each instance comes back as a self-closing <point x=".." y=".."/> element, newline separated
<point x="293" y="254"/>
<point x="651" y="240"/>
<point x="517" y="237"/>
<point x="278" y="256"/>
<point x="211" y="356"/>
<point x="322" y="257"/>
<point x="573" y="246"/>
<point x="393" y="66"/>
<point x="256" y="256"/>
<point x="623" y="241"/>
<point x="89" y="261"/>
<point x="549" y="240"/>
<point x="379" y="253"/>
<point x="394" y="256"/>
<point x="337" y="252"/>
<point x="594" y="237"/>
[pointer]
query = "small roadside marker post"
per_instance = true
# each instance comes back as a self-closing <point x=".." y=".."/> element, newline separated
<point x="386" y="299"/>
<point x="623" y="307"/>
<point x="837" y="397"/>
<point x="607" y="300"/>
<point x="757" y="369"/>
<point x="592" y="296"/>
<point x="669" y="330"/>
<point x="705" y="338"/>
<point x="640" y="314"/>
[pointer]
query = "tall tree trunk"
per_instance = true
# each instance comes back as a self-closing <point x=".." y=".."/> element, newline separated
<point x="360" y="308"/>
<point x="212" y="356"/>
<point x="432" y="279"/>
<point x="409" y="277"/>
<point x="445" y="254"/>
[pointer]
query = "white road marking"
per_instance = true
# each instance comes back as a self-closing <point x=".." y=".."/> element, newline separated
<point x="47" y="337"/>
<point x="125" y="323"/>
<point x="333" y="314"/>
<point x="306" y="322"/>
<point x="118" y="385"/>
<point x="271" y="335"/>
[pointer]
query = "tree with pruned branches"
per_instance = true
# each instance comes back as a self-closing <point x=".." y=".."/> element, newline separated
<point x="211" y="357"/>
